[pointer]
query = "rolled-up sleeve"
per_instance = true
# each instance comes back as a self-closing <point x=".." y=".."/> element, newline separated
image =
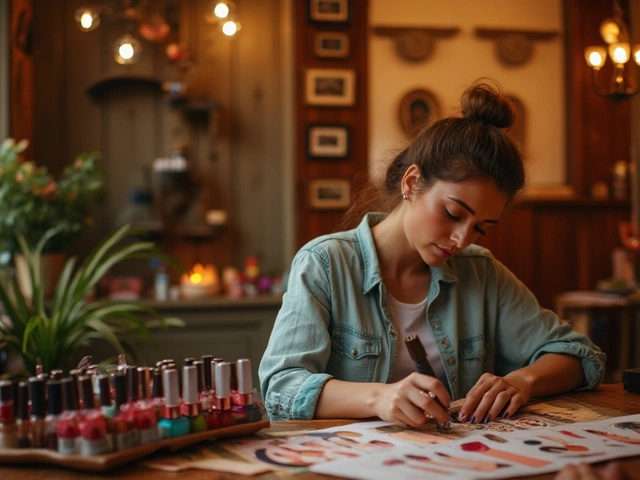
<point x="526" y="331"/>
<point x="292" y="368"/>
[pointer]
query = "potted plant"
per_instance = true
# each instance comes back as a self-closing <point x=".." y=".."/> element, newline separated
<point x="32" y="201"/>
<point x="48" y="333"/>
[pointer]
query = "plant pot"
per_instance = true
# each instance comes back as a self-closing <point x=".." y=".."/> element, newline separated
<point x="50" y="268"/>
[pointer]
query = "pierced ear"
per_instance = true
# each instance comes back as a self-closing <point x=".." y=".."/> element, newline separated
<point x="410" y="179"/>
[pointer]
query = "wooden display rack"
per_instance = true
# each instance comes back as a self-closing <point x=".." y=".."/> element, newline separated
<point x="101" y="463"/>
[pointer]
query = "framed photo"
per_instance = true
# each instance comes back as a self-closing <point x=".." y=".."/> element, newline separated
<point x="335" y="11"/>
<point x="417" y="109"/>
<point x="331" y="45"/>
<point x="332" y="193"/>
<point x="328" y="141"/>
<point x="330" y="87"/>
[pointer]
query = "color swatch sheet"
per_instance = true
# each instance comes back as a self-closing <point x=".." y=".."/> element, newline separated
<point x="540" y="438"/>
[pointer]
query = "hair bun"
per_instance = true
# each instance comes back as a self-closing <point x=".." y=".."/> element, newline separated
<point x="487" y="104"/>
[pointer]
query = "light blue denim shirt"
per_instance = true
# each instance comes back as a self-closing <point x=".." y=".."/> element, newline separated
<point x="335" y="323"/>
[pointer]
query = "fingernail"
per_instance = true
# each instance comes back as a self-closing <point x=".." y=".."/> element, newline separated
<point x="505" y="415"/>
<point x="487" y="419"/>
<point x="473" y="420"/>
<point x="461" y="416"/>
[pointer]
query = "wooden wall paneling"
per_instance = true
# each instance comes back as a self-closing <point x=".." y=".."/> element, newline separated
<point x="21" y="110"/>
<point x="597" y="128"/>
<point x="257" y="162"/>
<point x="310" y="222"/>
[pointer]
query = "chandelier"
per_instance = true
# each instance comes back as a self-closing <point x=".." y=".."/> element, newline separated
<point x="615" y="33"/>
<point x="151" y="26"/>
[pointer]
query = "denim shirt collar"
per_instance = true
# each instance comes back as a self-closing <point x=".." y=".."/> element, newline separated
<point x="371" y="271"/>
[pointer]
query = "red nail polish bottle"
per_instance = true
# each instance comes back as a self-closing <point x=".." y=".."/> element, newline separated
<point x="8" y="430"/>
<point x="222" y="400"/>
<point x="23" y="424"/>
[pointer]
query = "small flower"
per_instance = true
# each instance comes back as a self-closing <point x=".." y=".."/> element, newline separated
<point x="49" y="190"/>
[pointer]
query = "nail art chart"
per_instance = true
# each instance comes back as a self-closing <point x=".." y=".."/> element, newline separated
<point x="499" y="455"/>
<point x="311" y="448"/>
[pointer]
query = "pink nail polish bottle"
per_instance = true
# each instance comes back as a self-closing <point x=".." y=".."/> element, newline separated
<point x="124" y="434"/>
<point x="222" y="401"/>
<point x="145" y="419"/>
<point x="68" y="428"/>
<point x="94" y="437"/>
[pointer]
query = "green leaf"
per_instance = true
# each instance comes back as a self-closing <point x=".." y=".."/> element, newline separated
<point x="31" y="326"/>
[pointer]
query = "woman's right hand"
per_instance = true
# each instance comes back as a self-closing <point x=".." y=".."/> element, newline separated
<point x="411" y="399"/>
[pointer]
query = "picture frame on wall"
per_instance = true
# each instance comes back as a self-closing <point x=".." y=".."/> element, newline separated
<point x="329" y="142"/>
<point x="331" y="45"/>
<point x="330" y="87"/>
<point x="417" y="109"/>
<point x="333" y="11"/>
<point x="329" y="193"/>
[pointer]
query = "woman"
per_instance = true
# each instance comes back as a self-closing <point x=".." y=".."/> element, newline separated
<point x="336" y="350"/>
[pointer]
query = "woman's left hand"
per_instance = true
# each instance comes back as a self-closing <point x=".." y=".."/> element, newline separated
<point x="494" y="396"/>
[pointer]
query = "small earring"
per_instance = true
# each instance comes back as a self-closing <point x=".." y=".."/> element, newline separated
<point x="405" y="196"/>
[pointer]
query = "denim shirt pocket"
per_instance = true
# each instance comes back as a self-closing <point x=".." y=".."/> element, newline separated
<point x="354" y="354"/>
<point x="472" y="351"/>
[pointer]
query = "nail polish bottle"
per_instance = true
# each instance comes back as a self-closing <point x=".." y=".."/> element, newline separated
<point x="222" y="401"/>
<point x="54" y="401"/>
<point x="244" y="408"/>
<point x="56" y="374"/>
<point x="124" y="433"/>
<point x="93" y="438"/>
<point x="8" y="430"/>
<point x="172" y="424"/>
<point x="206" y="396"/>
<point x="107" y="407"/>
<point x="68" y="429"/>
<point x="213" y="419"/>
<point x="190" y="405"/>
<point x="145" y="419"/>
<point x="36" y="393"/>
<point x="23" y="424"/>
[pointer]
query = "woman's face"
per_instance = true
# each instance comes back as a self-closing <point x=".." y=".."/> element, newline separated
<point x="448" y="217"/>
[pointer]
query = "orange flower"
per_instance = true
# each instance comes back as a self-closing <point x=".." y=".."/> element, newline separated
<point x="49" y="190"/>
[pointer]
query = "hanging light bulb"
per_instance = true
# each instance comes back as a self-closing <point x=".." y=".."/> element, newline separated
<point x="221" y="10"/>
<point x="127" y="50"/>
<point x="230" y="27"/>
<point x="88" y="18"/>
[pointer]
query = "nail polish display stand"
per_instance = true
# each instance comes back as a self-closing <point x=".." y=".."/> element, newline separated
<point x="101" y="463"/>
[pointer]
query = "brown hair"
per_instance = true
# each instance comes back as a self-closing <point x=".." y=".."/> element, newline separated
<point x="457" y="148"/>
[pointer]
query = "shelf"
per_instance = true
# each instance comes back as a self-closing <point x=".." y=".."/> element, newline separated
<point x="110" y="82"/>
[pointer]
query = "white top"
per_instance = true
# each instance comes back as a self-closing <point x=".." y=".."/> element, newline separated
<point x="409" y="319"/>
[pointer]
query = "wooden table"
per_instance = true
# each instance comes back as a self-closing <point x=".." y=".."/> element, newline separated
<point x="609" y="396"/>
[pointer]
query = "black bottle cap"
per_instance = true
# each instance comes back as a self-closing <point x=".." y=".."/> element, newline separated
<point x="157" y="383"/>
<point x="23" y="401"/>
<point x="120" y="385"/>
<point x="54" y="397"/>
<point x="69" y="396"/>
<point x="206" y="362"/>
<point x="86" y="392"/>
<point x="189" y="361"/>
<point x="36" y="393"/>
<point x="132" y="382"/>
<point x="56" y="374"/>
<point x="200" y="374"/>
<point x="6" y="391"/>
<point x="105" y="391"/>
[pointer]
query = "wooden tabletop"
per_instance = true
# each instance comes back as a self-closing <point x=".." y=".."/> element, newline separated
<point x="608" y="396"/>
